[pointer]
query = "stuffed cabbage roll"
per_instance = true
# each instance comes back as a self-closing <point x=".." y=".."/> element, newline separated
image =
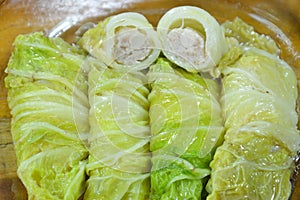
<point x="238" y="32"/>
<point x="257" y="86"/>
<point x="186" y="127"/>
<point x="123" y="41"/>
<point x="259" y="100"/>
<point x="119" y="161"/>
<point x="192" y="39"/>
<point x="47" y="95"/>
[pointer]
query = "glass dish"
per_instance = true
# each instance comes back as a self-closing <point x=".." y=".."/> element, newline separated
<point x="280" y="19"/>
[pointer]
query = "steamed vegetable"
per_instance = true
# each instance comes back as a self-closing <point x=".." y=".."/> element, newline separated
<point x="259" y="99"/>
<point x="96" y="127"/>
<point x="186" y="127"/>
<point x="192" y="39"/>
<point x="47" y="95"/>
<point x="119" y="160"/>
<point x="123" y="41"/>
<point x="238" y="32"/>
<point x="257" y="86"/>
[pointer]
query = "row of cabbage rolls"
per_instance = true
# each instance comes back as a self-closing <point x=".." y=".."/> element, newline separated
<point x="192" y="110"/>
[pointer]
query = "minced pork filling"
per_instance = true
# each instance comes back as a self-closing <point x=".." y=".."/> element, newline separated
<point x="187" y="44"/>
<point x="131" y="46"/>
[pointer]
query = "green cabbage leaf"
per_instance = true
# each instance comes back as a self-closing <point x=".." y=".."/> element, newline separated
<point x="47" y="95"/>
<point x="119" y="161"/>
<point x="186" y="127"/>
<point x="257" y="86"/>
<point x="259" y="103"/>
<point x="238" y="32"/>
<point x="254" y="162"/>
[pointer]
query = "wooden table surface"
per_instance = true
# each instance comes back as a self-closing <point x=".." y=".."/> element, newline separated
<point x="24" y="16"/>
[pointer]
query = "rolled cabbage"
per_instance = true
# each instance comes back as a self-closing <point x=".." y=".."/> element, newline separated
<point x="238" y="32"/>
<point x="186" y="127"/>
<point x="47" y="95"/>
<point x="257" y="86"/>
<point x="192" y="39"/>
<point x="119" y="161"/>
<point x="123" y="41"/>
<point x="259" y="100"/>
